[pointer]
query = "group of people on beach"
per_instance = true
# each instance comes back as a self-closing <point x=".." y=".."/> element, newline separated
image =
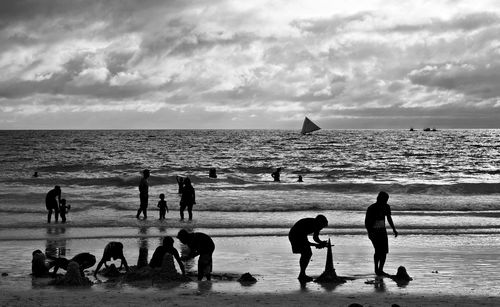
<point x="57" y="205"/>
<point x="375" y="217"/>
<point x="199" y="244"/>
<point x="186" y="189"/>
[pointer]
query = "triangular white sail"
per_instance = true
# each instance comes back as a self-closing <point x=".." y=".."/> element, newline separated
<point x="308" y="126"/>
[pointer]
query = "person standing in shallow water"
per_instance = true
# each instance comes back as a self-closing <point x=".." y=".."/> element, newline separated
<point x="188" y="199"/>
<point x="375" y="226"/>
<point x="300" y="243"/>
<point x="162" y="204"/>
<point x="52" y="201"/>
<point x="143" y="194"/>
<point x="276" y="174"/>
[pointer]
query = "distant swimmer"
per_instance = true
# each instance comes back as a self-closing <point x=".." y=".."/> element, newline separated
<point x="199" y="244"/>
<point x="35" y="174"/>
<point x="276" y="174"/>
<point x="143" y="194"/>
<point x="63" y="210"/>
<point x="84" y="260"/>
<point x="52" y="200"/>
<point x="166" y="248"/>
<point x="113" y="250"/>
<point x="212" y="173"/>
<point x="375" y="226"/>
<point x="180" y="182"/>
<point x="162" y="204"/>
<point x="188" y="199"/>
<point x="300" y="243"/>
<point x="300" y="179"/>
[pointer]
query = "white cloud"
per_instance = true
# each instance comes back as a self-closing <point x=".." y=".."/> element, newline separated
<point x="359" y="60"/>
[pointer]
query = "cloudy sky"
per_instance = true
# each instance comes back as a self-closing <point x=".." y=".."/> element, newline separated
<point x="249" y="64"/>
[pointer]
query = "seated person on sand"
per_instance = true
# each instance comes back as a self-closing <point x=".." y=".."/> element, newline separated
<point x="159" y="254"/>
<point x="113" y="250"/>
<point x="199" y="244"/>
<point x="84" y="260"/>
<point x="300" y="243"/>
<point x="39" y="266"/>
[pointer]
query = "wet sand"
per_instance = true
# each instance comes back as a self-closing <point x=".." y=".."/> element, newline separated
<point x="447" y="270"/>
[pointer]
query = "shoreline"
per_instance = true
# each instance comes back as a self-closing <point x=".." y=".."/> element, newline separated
<point x="436" y="264"/>
<point x="205" y="297"/>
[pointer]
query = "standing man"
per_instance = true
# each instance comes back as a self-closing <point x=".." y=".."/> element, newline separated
<point x="375" y="225"/>
<point x="52" y="200"/>
<point x="188" y="199"/>
<point x="143" y="194"/>
<point x="199" y="244"/>
<point x="300" y="243"/>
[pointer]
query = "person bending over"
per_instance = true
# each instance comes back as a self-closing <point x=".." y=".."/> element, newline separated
<point x="113" y="250"/>
<point x="202" y="245"/>
<point x="300" y="243"/>
<point x="84" y="260"/>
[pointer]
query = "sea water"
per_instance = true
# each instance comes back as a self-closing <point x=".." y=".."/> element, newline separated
<point x="444" y="192"/>
<point x="445" y="180"/>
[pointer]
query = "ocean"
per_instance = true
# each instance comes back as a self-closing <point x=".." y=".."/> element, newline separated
<point x="439" y="182"/>
<point x="443" y="186"/>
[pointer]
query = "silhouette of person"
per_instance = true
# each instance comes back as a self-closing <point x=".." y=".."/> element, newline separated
<point x="180" y="182"/>
<point x="113" y="250"/>
<point x="375" y="226"/>
<point x="39" y="266"/>
<point x="300" y="179"/>
<point x="162" y="204"/>
<point x="276" y="174"/>
<point x="199" y="244"/>
<point x="35" y="174"/>
<point x="52" y="200"/>
<point x="63" y="209"/>
<point x="160" y="251"/>
<point x="143" y="194"/>
<point x="84" y="260"/>
<point x="300" y="243"/>
<point x="212" y="173"/>
<point x="188" y="199"/>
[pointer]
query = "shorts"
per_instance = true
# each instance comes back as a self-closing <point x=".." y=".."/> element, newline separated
<point x="300" y="245"/>
<point x="380" y="241"/>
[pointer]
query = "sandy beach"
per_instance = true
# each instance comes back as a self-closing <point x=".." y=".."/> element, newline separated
<point x="446" y="270"/>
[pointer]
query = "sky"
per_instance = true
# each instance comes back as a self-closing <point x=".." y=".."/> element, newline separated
<point x="193" y="64"/>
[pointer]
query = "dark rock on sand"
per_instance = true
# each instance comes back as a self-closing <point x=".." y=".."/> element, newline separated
<point x="247" y="278"/>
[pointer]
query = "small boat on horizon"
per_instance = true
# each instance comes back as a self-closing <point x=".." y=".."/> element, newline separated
<point x="308" y="126"/>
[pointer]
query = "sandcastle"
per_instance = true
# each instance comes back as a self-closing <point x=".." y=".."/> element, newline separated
<point x="73" y="277"/>
<point x="329" y="275"/>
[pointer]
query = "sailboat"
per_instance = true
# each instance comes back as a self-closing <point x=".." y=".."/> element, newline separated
<point x="308" y="126"/>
